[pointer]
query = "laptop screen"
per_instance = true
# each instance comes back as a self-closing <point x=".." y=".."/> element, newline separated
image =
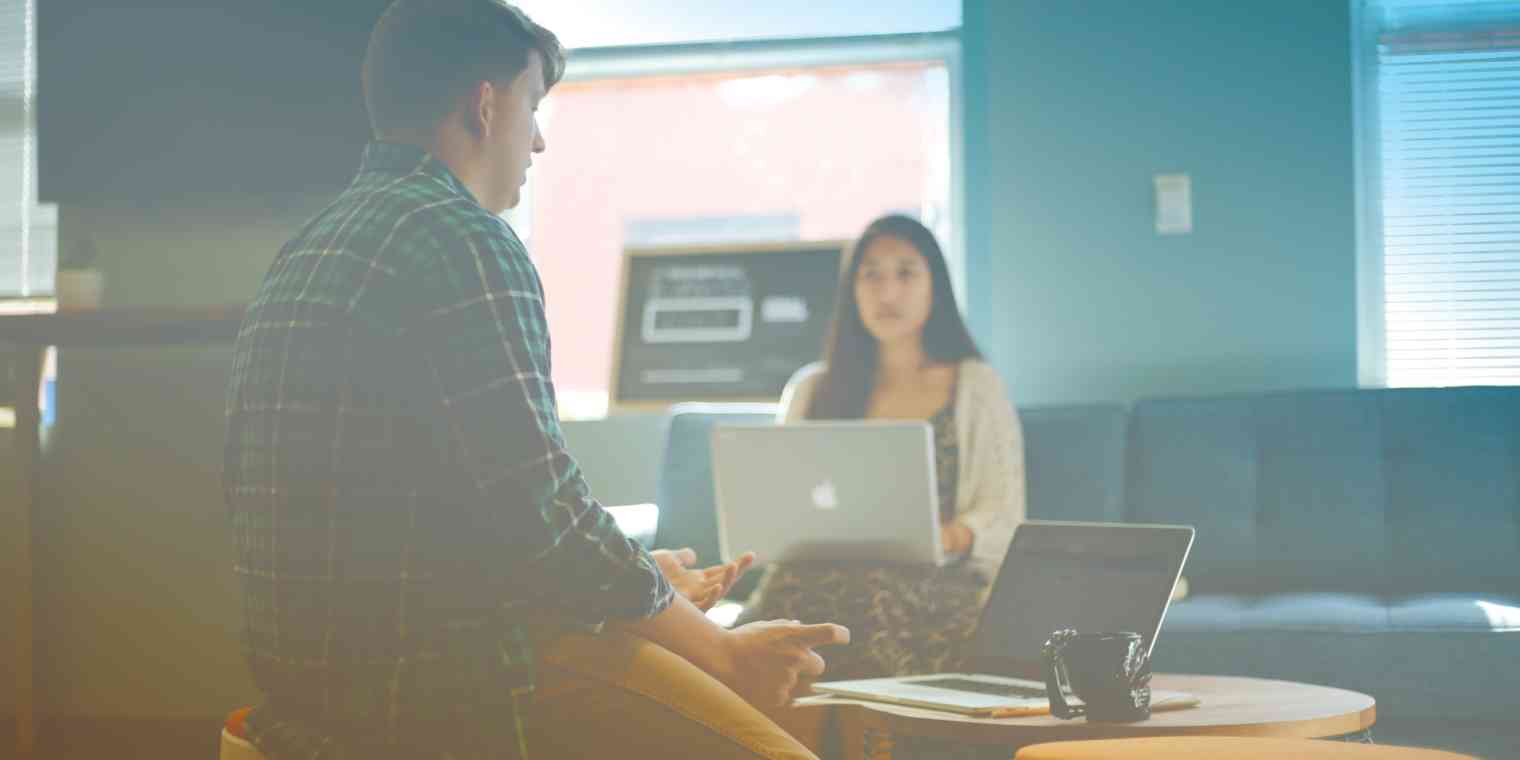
<point x="1094" y="578"/>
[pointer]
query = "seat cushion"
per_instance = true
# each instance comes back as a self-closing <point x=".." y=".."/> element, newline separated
<point x="1423" y="656"/>
<point x="1456" y="613"/>
<point x="1347" y="613"/>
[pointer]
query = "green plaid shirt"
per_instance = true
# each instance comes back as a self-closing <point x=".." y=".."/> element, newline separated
<point x="401" y="499"/>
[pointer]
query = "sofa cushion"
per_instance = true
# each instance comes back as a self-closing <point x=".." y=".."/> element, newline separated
<point x="1194" y="463"/>
<point x="1420" y="657"/>
<point x="1319" y="489"/>
<point x="1375" y="491"/>
<point x="688" y="504"/>
<point x="1352" y="613"/>
<point x="1074" y="460"/>
<point x="619" y="455"/>
<point x="1456" y="613"/>
<point x="1451" y="461"/>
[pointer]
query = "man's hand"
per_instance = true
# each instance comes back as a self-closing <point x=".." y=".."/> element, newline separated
<point x="768" y="659"/>
<point x="703" y="587"/>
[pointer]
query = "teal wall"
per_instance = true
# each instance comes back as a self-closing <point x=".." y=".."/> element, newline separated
<point x="1071" y="107"/>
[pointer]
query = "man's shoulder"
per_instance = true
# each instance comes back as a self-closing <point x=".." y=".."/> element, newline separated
<point x="413" y="200"/>
<point x="376" y="217"/>
<point x="450" y="217"/>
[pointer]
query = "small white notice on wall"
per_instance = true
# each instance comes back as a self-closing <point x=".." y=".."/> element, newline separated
<point x="1174" y="204"/>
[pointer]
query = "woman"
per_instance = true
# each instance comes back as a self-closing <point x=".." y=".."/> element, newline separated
<point x="898" y="349"/>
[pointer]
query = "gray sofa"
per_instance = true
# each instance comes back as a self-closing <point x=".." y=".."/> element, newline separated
<point x="1367" y="539"/>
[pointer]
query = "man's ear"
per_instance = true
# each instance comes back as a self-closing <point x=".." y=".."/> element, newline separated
<point x="481" y="109"/>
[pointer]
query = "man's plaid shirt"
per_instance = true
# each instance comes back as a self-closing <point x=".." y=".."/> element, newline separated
<point x="401" y="499"/>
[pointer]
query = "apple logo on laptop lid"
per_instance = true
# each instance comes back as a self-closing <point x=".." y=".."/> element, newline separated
<point x="824" y="496"/>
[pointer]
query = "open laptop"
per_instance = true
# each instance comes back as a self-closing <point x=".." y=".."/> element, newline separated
<point x="1091" y="577"/>
<point x="834" y="490"/>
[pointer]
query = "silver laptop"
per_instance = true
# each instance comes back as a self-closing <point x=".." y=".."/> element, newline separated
<point x="1091" y="577"/>
<point x="834" y="490"/>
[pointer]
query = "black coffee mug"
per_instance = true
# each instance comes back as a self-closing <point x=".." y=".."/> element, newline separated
<point x="1109" y="672"/>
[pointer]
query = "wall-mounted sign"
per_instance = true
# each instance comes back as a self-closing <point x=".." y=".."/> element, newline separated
<point x="720" y="323"/>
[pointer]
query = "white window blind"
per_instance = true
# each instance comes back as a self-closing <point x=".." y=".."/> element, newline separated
<point x="1448" y="159"/>
<point x="28" y="232"/>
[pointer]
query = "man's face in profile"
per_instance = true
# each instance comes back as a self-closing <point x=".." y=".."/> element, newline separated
<point x="515" y="136"/>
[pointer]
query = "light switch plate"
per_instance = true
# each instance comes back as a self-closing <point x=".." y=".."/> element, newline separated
<point x="1174" y="204"/>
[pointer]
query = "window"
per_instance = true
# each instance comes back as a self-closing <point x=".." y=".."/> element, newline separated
<point x="1439" y="166"/>
<point x="620" y="23"/>
<point x="28" y="232"/>
<point x="773" y="141"/>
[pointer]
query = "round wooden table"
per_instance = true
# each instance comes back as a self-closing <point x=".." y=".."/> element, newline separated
<point x="1229" y="706"/>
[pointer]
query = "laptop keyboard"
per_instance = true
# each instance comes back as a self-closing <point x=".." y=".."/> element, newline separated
<point x="983" y="687"/>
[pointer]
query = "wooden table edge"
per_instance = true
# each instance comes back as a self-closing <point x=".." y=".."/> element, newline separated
<point x="860" y="715"/>
<point x="856" y="715"/>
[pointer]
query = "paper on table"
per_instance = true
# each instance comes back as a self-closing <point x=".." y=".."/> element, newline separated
<point x="1161" y="701"/>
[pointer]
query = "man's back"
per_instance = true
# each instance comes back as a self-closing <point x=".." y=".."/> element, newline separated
<point x="375" y="572"/>
<point x="402" y="503"/>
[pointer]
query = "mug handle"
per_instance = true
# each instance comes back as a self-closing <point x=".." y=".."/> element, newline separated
<point x="1063" y="702"/>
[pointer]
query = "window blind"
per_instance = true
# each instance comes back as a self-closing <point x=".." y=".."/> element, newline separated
<point x="28" y="232"/>
<point x="1448" y="100"/>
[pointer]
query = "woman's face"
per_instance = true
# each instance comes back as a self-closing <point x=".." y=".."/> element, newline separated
<point x="894" y="290"/>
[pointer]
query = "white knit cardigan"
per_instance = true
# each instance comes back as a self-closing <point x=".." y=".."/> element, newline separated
<point x="989" y="493"/>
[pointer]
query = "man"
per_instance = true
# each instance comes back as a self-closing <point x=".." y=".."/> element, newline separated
<point x="417" y="549"/>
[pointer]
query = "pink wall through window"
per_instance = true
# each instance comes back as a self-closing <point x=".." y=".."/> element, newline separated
<point x="827" y="149"/>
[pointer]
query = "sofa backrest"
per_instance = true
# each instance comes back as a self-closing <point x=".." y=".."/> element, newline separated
<point x="1376" y="490"/>
<point x="619" y="455"/>
<point x="1451" y="465"/>
<point x="1371" y="490"/>
<point x="688" y="505"/>
<point x="1074" y="461"/>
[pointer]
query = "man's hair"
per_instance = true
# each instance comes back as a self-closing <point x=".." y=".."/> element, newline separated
<point x="424" y="55"/>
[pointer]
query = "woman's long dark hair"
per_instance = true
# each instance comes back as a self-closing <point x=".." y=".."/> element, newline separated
<point x="851" y="353"/>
